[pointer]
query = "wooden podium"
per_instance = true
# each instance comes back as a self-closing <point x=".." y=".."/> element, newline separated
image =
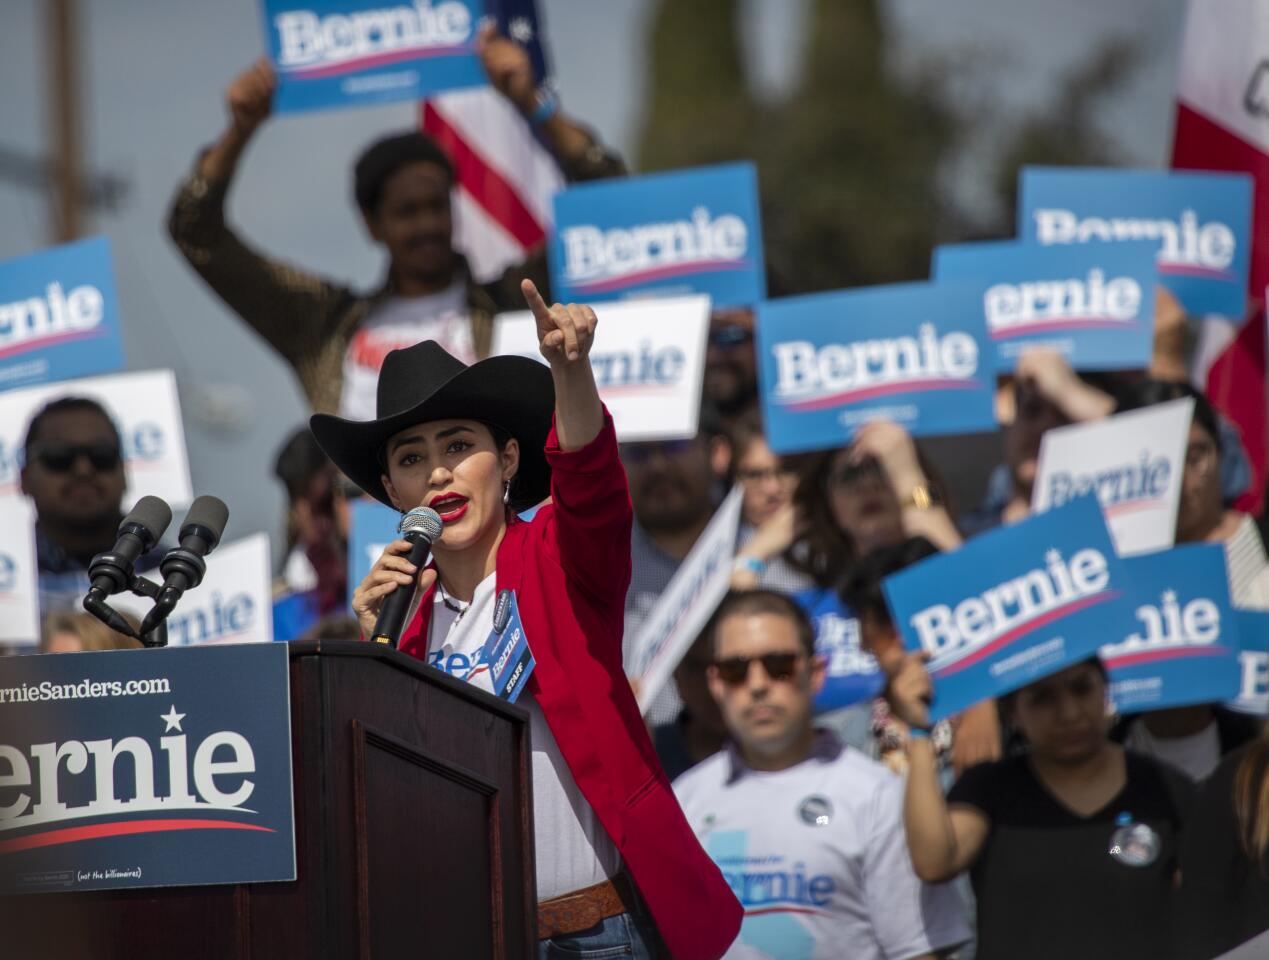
<point x="413" y="835"/>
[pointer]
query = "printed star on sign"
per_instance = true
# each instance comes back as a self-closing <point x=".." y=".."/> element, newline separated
<point x="172" y="719"/>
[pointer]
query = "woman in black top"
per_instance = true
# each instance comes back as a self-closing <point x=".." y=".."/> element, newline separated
<point x="1224" y="862"/>
<point x="1071" y="847"/>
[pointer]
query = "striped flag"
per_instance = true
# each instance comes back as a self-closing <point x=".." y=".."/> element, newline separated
<point x="1222" y="123"/>
<point x="505" y="175"/>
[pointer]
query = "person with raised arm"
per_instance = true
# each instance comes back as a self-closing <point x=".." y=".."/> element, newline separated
<point x="334" y="337"/>
<point x="1071" y="847"/>
<point x="618" y="867"/>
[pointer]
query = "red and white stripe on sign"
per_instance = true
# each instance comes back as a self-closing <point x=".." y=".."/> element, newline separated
<point x="505" y="177"/>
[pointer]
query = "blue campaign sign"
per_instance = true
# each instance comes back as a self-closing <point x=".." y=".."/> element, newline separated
<point x="1012" y="605"/>
<point x="1253" y="662"/>
<point x="688" y="231"/>
<point x="1094" y="304"/>
<point x="373" y="527"/>
<point x="914" y="353"/>
<point x="343" y="53"/>
<point x="146" y="768"/>
<point x="1181" y="646"/>
<point x="59" y="316"/>
<point x="1200" y="222"/>
<point x="851" y="675"/>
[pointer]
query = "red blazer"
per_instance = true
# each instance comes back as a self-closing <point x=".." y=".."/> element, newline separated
<point x="570" y="567"/>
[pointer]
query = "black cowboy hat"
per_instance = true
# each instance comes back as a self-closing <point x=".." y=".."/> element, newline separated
<point x="423" y="383"/>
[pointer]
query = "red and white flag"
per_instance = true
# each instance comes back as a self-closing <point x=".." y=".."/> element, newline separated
<point x="505" y="176"/>
<point x="1222" y="123"/>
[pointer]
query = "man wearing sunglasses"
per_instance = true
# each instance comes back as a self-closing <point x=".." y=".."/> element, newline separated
<point x="73" y="472"/>
<point x="807" y="831"/>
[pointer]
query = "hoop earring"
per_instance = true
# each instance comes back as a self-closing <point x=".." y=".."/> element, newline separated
<point x="506" y="493"/>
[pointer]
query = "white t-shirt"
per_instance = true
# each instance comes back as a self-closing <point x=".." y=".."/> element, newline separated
<point x="1196" y="755"/>
<point x="573" y="849"/>
<point x="402" y="322"/>
<point x="818" y="857"/>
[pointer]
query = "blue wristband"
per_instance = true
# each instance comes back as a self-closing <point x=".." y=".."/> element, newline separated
<point x="750" y="564"/>
<point x="548" y="106"/>
<point x="918" y="733"/>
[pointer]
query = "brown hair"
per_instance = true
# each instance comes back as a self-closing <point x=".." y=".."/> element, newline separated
<point x="825" y="552"/>
<point x="754" y="602"/>
<point x="92" y="633"/>
<point x="1251" y="800"/>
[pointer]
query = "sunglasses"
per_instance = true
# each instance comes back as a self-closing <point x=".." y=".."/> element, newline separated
<point x="779" y="666"/>
<point x="61" y="457"/>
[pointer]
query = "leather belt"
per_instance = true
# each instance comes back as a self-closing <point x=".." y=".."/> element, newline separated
<point x="585" y="908"/>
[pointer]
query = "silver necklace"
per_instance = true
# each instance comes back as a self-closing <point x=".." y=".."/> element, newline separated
<point x="457" y="606"/>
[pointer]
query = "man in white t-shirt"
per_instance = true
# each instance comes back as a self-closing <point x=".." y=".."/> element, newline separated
<point x="807" y="831"/>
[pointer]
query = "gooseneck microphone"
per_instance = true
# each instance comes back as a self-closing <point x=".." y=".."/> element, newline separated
<point x="111" y="572"/>
<point x="421" y="526"/>
<point x="183" y="568"/>
<point x="140" y="530"/>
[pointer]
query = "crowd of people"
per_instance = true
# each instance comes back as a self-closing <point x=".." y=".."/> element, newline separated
<point x="796" y="728"/>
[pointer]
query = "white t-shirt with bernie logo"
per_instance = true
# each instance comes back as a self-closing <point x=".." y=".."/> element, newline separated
<point x="818" y="857"/>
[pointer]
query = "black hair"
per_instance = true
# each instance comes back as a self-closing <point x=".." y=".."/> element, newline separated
<point x="1146" y="393"/>
<point x="65" y="405"/>
<point x="862" y="589"/>
<point x="752" y="602"/>
<point x="1007" y="701"/>
<point x="299" y="460"/>
<point x="385" y="157"/>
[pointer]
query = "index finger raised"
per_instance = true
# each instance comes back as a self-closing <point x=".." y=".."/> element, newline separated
<point x="540" y="310"/>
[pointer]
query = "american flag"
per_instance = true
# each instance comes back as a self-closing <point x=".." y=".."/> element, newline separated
<point x="505" y="175"/>
<point x="1222" y="123"/>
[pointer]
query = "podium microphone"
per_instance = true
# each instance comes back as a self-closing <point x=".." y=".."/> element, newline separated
<point x="183" y="567"/>
<point x="420" y="526"/>
<point x="140" y="530"/>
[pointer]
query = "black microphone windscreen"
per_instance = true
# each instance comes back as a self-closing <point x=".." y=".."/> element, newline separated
<point x="211" y="514"/>
<point x="425" y="520"/>
<point x="152" y="515"/>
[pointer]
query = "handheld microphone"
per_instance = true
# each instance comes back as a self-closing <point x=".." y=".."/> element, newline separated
<point x="140" y="530"/>
<point x="420" y="526"/>
<point x="183" y="568"/>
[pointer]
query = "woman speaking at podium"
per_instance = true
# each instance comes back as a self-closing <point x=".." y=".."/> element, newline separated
<point x="617" y="864"/>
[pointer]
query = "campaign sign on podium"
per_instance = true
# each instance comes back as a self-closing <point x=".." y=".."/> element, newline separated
<point x="1200" y="223"/>
<point x="665" y="234"/>
<point x="145" y="768"/>
<point x="1013" y="605"/>
<point x="1094" y="304"/>
<point x="344" y="53"/>
<point x="59" y="316"/>
<point x="914" y="353"/>
<point x="1181" y="646"/>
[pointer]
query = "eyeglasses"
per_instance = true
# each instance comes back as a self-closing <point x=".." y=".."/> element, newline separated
<point x="61" y="457"/>
<point x="852" y="473"/>
<point x="1200" y="456"/>
<point x="778" y="666"/>
<point x="730" y="336"/>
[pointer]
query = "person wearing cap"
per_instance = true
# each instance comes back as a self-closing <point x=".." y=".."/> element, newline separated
<point x="477" y="444"/>
<point x="335" y="338"/>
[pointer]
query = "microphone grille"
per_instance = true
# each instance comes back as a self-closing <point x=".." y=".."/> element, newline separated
<point x="423" y="520"/>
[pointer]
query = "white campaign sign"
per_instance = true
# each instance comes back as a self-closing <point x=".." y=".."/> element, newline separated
<point x="233" y="604"/>
<point x="648" y="357"/>
<point x="1133" y="461"/>
<point x="687" y="603"/>
<point x="19" y="583"/>
<point x="146" y="410"/>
